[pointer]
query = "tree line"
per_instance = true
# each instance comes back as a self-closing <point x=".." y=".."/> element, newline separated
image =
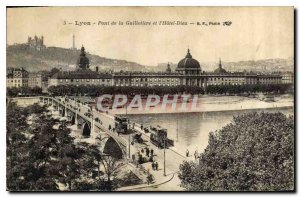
<point x="42" y="156"/>
<point x="23" y="91"/>
<point x="249" y="88"/>
<point x="253" y="153"/>
<point x="94" y="90"/>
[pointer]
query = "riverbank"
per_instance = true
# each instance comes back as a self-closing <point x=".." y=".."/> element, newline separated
<point x="211" y="104"/>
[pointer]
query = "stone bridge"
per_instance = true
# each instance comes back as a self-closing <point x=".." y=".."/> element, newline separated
<point x="77" y="114"/>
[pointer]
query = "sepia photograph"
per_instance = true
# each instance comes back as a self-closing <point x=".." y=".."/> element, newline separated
<point x="148" y="99"/>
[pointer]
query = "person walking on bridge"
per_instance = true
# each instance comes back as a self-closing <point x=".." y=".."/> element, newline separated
<point x="147" y="151"/>
<point x="151" y="152"/>
<point x="187" y="153"/>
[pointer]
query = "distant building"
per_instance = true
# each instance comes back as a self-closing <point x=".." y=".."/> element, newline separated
<point x="36" y="43"/>
<point x="288" y="78"/>
<point x="81" y="77"/>
<point x="34" y="80"/>
<point x="16" y="77"/>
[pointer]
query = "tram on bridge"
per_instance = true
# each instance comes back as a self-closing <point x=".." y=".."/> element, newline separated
<point x="121" y="124"/>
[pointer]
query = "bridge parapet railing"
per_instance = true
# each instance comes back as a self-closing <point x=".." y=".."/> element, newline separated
<point x="120" y="139"/>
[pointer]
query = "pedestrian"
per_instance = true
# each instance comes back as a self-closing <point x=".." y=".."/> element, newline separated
<point x="140" y="159"/>
<point x="151" y="152"/>
<point x="147" y="152"/>
<point x="151" y="159"/>
<point x="153" y="166"/>
<point x="156" y="166"/>
<point x="187" y="152"/>
<point x="142" y="127"/>
<point x="142" y="150"/>
<point x="196" y="154"/>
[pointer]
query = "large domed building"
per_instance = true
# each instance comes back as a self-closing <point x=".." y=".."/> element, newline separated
<point x="188" y="73"/>
<point x="188" y="65"/>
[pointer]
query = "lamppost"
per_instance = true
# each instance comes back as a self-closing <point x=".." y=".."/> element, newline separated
<point x="164" y="155"/>
<point x="129" y="146"/>
<point x="93" y="121"/>
<point x="177" y="128"/>
<point x="76" y="111"/>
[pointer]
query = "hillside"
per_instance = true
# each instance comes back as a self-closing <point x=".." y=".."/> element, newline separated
<point x="265" y="65"/>
<point x="20" y="56"/>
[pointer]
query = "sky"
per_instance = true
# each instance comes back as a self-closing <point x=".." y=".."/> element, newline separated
<point x="255" y="32"/>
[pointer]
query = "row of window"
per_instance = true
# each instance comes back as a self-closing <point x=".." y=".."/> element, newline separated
<point x="84" y="80"/>
<point x="225" y="79"/>
<point x="159" y="84"/>
<point x="17" y="81"/>
<point x="146" y="79"/>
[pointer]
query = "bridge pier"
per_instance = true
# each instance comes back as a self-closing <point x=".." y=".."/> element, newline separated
<point x="76" y="118"/>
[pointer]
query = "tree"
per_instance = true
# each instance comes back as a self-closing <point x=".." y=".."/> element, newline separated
<point x="28" y="149"/>
<point x="253" y="153"/>
<point x="111" y="167"/>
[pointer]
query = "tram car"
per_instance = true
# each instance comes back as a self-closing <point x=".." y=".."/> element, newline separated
<point x="121" y="124"/>
<point x="158" y="135"/>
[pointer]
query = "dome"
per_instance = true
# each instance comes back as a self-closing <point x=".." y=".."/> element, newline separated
<point x="83" y="62"/>
<point x="188" y="62"/>
<point x="220" y="70"/>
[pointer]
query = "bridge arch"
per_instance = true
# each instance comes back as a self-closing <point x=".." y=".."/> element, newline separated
<point x="63" y="113"/>
<point x="113" y="148"/>
<point x="86" y="130"/>
<point x="73" y="120"/>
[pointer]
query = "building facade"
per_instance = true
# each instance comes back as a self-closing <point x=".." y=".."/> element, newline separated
<point x="188" y="72"/>
<point x="16" y="77"/>
<point x="34" y="80"/>
<point x="288" y="78"/>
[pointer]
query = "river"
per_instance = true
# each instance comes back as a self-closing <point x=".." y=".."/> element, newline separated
<point x="193" y="128"/>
